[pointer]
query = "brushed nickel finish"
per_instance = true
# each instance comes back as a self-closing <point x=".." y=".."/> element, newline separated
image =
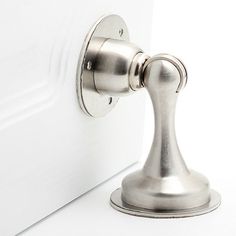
<point x="165" y="187"/>
<point x="115" y="62"/>
<point x="93" y="103"/>
<point x="120" y="205"/>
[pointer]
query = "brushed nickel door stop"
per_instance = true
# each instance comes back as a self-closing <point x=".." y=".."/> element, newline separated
<point x="111" y="67"/>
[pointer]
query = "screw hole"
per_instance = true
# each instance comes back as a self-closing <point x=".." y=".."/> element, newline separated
<point x="110" y="101"/>
<point x="89" y="65"/>
<point x="121" y="32"/>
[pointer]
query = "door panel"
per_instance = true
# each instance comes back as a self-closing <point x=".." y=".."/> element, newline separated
<point x="50" y="151"/>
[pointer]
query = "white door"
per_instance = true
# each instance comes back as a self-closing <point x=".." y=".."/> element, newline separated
<point x="50" y="151"/>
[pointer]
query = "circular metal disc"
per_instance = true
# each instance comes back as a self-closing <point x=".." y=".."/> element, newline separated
<point x="93" y="103"/>
<point x="118" y="204"/>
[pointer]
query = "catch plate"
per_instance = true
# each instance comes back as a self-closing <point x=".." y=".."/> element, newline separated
<point x="91" y="102"/>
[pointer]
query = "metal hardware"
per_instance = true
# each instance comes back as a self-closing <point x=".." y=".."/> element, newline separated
<point x="120" y="205"/>
<point x="165" y="187"/>
<point x="92" y="102"/>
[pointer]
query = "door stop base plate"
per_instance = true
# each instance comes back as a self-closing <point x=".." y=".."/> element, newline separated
<point x="117" y="203"/>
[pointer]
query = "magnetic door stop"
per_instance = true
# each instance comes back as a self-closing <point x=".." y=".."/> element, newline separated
<point x="110" y="67"/>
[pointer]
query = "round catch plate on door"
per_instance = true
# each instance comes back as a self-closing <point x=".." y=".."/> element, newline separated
<point x="93" y="103"/>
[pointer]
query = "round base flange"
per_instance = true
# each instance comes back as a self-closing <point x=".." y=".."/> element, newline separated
<point x="118" y="204"/>
<point x="91" y="102"/>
